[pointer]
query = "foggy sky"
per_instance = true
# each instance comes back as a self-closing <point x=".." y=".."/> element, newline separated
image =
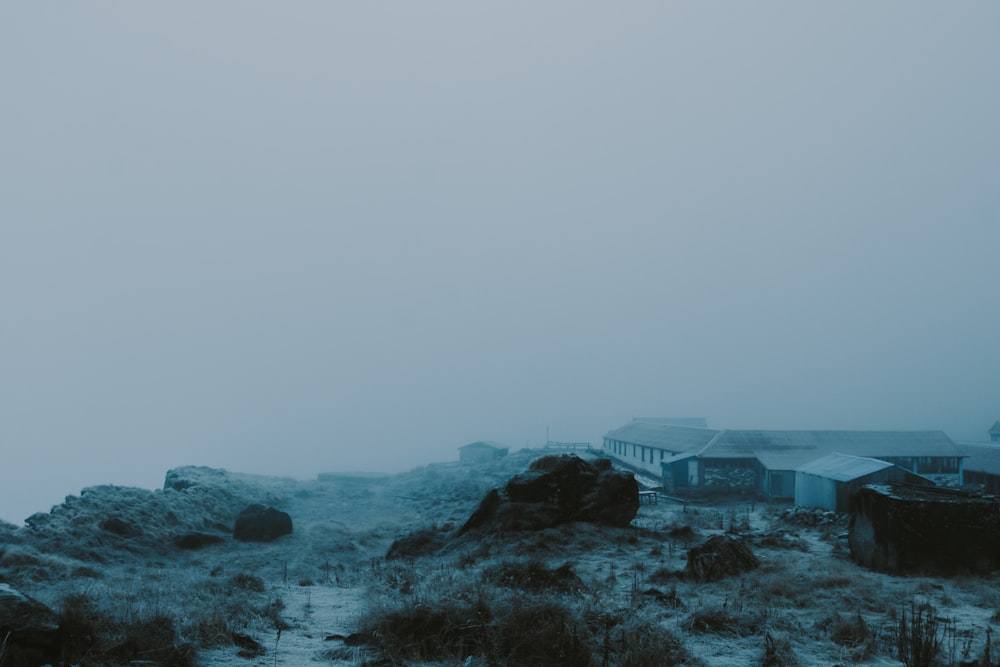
<point x="298" y="237"/>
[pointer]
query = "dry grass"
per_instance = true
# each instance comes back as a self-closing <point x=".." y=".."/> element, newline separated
<point x="504" y="616"/>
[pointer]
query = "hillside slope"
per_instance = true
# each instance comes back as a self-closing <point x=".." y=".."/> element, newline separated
<point x="575" y="594"/>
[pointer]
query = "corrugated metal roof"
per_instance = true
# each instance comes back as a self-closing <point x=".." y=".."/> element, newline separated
<point x="789" y="460"/>
<point x="981" y="457"/>
<point x="878" y="444"/>
<point x="678" y="457"/>
<point x="843" y="467"/>
<point x="783" y="450"/>
<point x="694" y="422"/>
<point x="663" y="436"/>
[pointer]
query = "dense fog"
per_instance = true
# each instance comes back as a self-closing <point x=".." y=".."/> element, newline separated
<point x="322" y="236"/>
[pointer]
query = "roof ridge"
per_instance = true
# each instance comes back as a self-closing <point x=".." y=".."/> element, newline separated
<point x="710" y="442"/>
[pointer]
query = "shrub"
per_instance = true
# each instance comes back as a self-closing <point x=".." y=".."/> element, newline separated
<point x="541" y="634"/>
<point x="670" y="599"/>
<point x="917" y="637"/>
<point x="682" y="533"/>
<point x="721" y="621"/>
<point x="853" y="634"/>
<point x="533" y="575"/>
<point x="90" y="635"/>
<point x="247" y="582"/>
<point x="153" y="639"/>
<point x="646" y="644"/>
<point x="421" y="631"/>
<point x="78" y="626"/>
<point x="777" y="652"/>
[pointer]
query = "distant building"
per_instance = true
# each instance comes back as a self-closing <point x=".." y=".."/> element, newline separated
<point x="645" y="445"/>
<point x="764" y="462"/>
<point x="830" y="481"/>
<point x="982" y="465"/>
<point x="481" y="452"/>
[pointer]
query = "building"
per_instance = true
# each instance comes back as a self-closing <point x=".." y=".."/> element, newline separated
<point x="830" y="481"/>
<point x="645" y="445"/>
<point x="982" y="465"/>
<point x="764" y="462"/>
<point x="481" y="452"/>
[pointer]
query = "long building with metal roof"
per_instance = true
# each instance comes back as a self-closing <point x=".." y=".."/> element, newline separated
<point x="764" y="461"/>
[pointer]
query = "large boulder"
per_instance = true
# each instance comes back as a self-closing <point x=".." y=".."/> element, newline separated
<point x="559" y="489"/>
<point x="906" y="528"/>
<point x="261" y="524"/>
<point x="720" y="556"/>
<point x="29" y="631"/>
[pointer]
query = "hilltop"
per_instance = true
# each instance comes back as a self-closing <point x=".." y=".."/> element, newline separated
<point x="108" y="563"/>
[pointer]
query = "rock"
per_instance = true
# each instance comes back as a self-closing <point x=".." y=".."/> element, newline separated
<point x="905" y="528"/>
<point x="188" y="476"/>
<point x="261" y="524"/>
<point x="556" y="490"/>
<point x="196" y="540"/>
<point x="120" y="527"/>
<point x="419" y="543"/>
<point x="31" y="629"/>
<point x="719" y="557"/>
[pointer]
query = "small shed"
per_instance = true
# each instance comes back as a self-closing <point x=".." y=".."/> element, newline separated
<point x="995" y="432"/>
<point x="830" y="481"/>
<point x="481" y="451"/>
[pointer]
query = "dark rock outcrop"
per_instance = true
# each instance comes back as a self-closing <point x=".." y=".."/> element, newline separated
<point x="31" y="629"/>
<point x="556" y="490"/>
<point x="261" y="524"/>
<point x="197" y="540"/>
<point x="419" y="543"/>
<point x="120" y="527"/>
<point x="903" y="528"/>
<point x="186" y="477"/>
<point x="720" y="556"/>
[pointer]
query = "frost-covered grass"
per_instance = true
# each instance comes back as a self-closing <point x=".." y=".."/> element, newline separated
<point x="575" y="594"/>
